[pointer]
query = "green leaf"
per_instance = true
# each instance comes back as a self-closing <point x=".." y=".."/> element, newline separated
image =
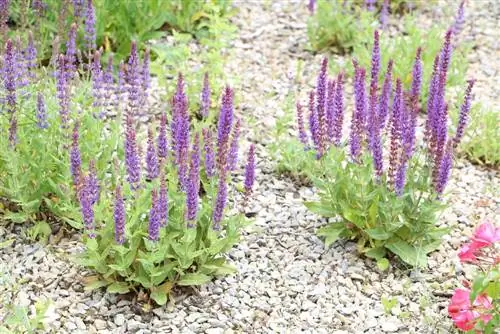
<point x="376" y="253"/>
<point x="118" y="287"/>
<point x="331" y="233"/>
<point x="378" y="233"/>
<point x="321" y="209"/>
<point x="93" y="283"/>
<point x="194" y="279"/>
<point x="159" y="296"/>
<point x="383" y="264"/>
<point x="408" y="253"/>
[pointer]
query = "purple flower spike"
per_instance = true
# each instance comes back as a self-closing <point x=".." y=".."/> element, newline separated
<point x="209" y="153"/>
<point x="4" y="17"/>
<point x="339" y="110"/>
<point x="146" y="77"/>
<point x="396" y="131"/>
<point x="464" y="114"/>
<point x="132" y="156"/>
<point x="71" y="51"/>
<point x="78" y="9"/>
<point x="30" y="56"/>
<point x="385" y="97"/>
<point x="152" y="166"/>
<point x="63" y="90"/>
<point x="119" y="216"/>
<point x="459" y="20"/>
<point x="375" y="57"/>
<point x="300" y="124"/>
<point x="90" y="33"/>
<point x="93" y="182"/>
<point x="163" y="202"/>
<point x="41" y="112"/>
<point x="370" y="5"/>
<point x="311" y="6"/>
<point x="180" y="131"/>
<point x="330" y="108"/>
<point x="250" y="171"/>
<point x="205" y="96"/>
<point x="384" y="14"/>
<point x="444" y="169"/>
<point x="97" y="80"/>
<point x="10" y="74"/>
<point x="320" y="107"/>
<point x="133" y="80"/>
<point x="224" y="127"/>
<point x="399" y="183"/>
<point x="313" y="121"/>
<point x="13" y="131"/>
<point x="154" y="217"/>
<point x="162" y="137"/>
<point x="86" y="205"/>
<point x="194" y="182"/>
<point x="75" y="158"/>
<point x="233" y="152"/>
<point x="359" y="112"/>
<point x="372" y="119"/>
<point x="220" y="202"/>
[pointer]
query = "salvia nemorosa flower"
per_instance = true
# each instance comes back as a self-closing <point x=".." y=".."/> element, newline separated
<point x="109" y="85"/>
<point x="321" y="87"/>
<point x="86" y="205"/>
<point x="208" y="146"/>
<point x="250" y="171"/>
<point x="90" y="33"/>
<point x="370" y="5"/>
<point x="458" y="25"/>
<point x="444" y="169"/>
<point x="430" y="123"/>
<point x="396" y="131"/>
<point x="224" y="127"/>
<point x="220" y="201"/>
<point x="13" y="131"/>
<point x="41" y="112"/>
<point x="301" y="128"/>
<point x="400" y="180"/>
<point x="30" y="56"/>
<point x="313" y="121"/>
<point x="119" y="216"/>
<point x="154" y="217"/>
<point x="464" y="114"/>
<point x="163" y="201"/>
<point x="133" y="80"/>
<point x="78" y="8"/>
<point x="93" y="182"/>
<point x="22" y="79"/>
<point x="384" y="14"/>
<point x="120" y="84"/>
<point x="194" y="182"/>
<point x="233" y="151"/>
<point x="180" y="131"/>
<point x="10" y="74"/>
<point x="372" y="117"/>
<point x="152" y="165"/>
<point x="71" y="51"/>
<point x="74" y="155"/>
<point x="338" y="118"/>
<point x="311" y="5"/>
<point x="4" y="17"/>
<point x="385" y="96"/>
<point x="146" y="77"/>
<point x="39" y="6"/>
<point x="162" y="137"/>
<point x="205" y="96"/>
<point x="330" y="107"/>
<point x="97" y="79"/>
<point x="63" y="91"/>
<point x="411" y="124"/>
<point x="132" y="155"/>
<point x="359" y="112"/>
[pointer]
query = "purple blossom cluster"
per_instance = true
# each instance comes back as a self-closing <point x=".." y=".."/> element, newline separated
<point x="373" y="113"/>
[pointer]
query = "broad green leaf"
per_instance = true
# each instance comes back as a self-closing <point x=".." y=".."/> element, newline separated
<point x="93" y="282"/>
<point x="321" y="209"/>
<point x="194" y="279"/>
<point x="331" y="233"/>
<point x="118" y="287"/>
<point x="159" y="296"/>
<point x="408" y="253"/>
<point x="378" y="233"/>
<point x="376" y="253"/>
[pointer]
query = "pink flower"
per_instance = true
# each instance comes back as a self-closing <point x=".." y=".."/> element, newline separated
<point x="486" y="234"/>
<point x="464" y="314"/>
<point x="467" y="252"/>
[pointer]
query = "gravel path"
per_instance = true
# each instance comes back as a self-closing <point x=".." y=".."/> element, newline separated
<point x="287" y="281"/>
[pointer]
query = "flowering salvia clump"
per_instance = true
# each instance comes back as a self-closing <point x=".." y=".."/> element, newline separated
<point x="473" y="306"/>
<point x="381" y="112"/>
<point x="163" y="200"/>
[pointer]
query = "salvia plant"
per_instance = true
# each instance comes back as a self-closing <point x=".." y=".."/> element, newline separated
<point x="386" y="181"/>
<point x="475" y="308"/>
<point x="160" y="221"/>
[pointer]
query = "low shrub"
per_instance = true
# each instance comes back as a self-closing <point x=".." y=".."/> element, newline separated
<point x="476" y="307"/>
<point x="386" y="201"/>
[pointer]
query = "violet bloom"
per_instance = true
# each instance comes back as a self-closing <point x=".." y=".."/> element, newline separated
<point x="430" y="123"/>
<point x="194" y="182"/>
<point x="93" y="182"/>
<point x="163" y="202"/>
<point x="119" y="216"/>
<point x="22" y="66"/>
<point x="338" y="118"/>
<point x="444" y="170"/>
<point x="41" y="112"/>
<point x="224" y="127"/>
<point x="357" y="123"/>
<point x="87" y="206"/>
<point x="120" y="86"/>
<point x="385" y="97"/>
<point x="330" y="108"/>
<point x="220" y="202"/>
<point x="132" y="155"/>
<point x="399" y="183"/>
<point x="209" y="152"/>
<point x="4" y="17"/>
<point x="458" y="25"/>
<point x="384" y="14"/>
<point x="30" y="56"/>
<point x="97" y="80"/>
<point x="233" y="151"/>
<point x="71" y="51"/>
<point x="372" y="119"/>
<point x="250" y="171"/>
<point x="370" y="5"/>
<point x="205" y="96"/>
<point x="463" y="117"/>
<point x="133" y="80"/>
<point x="90" y="33"/>
<point x="396" y="131"/>
<point x="154" y="217"/>
<point x="78" y="9"/>
<point x="162" y="137"/>
<point x="62" y="91"/>
<point x="300" y="124"/>
<point x="320" y="107"/>
<point x="313" y="121"/>
<point x="109" y="85"/>
<point x="146" y="77"/>
<point x="180" y="131"/>
<point x="416" y="85"/>
<point x="74" y="155"/>
<point x="13" y="131"/>
<point x="10" y="74"/>
<point x="152" y="166"/>
<point x="311" y="6"/>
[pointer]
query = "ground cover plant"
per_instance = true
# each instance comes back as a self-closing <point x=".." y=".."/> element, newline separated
<point x="475" y="307"/>
<point x="387" y="201"/>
